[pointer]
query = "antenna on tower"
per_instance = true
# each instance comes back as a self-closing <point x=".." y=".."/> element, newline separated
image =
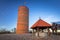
<point x="24" y="2"/>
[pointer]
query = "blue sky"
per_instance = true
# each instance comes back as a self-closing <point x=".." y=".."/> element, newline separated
<point x="48" y="10"/>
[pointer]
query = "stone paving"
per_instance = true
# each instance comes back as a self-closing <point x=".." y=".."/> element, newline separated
<point x="27" y="37"/>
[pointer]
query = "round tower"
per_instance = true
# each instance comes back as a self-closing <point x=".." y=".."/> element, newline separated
<point x="23" y="20"/>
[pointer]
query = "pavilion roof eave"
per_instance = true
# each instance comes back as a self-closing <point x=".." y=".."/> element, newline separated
<point x="41" y="27"/>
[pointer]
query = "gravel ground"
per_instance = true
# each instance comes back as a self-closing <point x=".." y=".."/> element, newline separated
<point x="27" y="37"/>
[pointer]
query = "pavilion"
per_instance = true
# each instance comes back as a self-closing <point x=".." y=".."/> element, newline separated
<point x="40" y="25"/>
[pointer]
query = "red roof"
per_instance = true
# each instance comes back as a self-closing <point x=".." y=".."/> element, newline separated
<point x="41" y="23"/>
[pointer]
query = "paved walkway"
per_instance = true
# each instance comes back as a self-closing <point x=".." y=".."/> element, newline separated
<point x="27" y="37"/>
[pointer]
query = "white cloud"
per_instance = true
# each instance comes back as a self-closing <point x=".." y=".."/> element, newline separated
<point x="51" y="18"/>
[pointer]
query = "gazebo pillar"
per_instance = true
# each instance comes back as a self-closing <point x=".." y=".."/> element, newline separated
<point x="48" y="31"/>
<point x="56" y="30"/>
<point x="42" y="30"/>
<point x="38" y="32"/>
<point x="32" y="32"/>
<point x="53" y="31"/>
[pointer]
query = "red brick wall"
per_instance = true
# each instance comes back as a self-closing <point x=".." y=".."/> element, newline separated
<point x="23" y="20"/>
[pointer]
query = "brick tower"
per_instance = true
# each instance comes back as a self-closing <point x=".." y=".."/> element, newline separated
<point x="23" y="20"/>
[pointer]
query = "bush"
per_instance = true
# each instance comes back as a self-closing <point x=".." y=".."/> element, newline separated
<point x="4" y="31"/>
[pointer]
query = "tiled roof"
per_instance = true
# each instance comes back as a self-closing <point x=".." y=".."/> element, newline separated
<point x="40" y="23"/>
